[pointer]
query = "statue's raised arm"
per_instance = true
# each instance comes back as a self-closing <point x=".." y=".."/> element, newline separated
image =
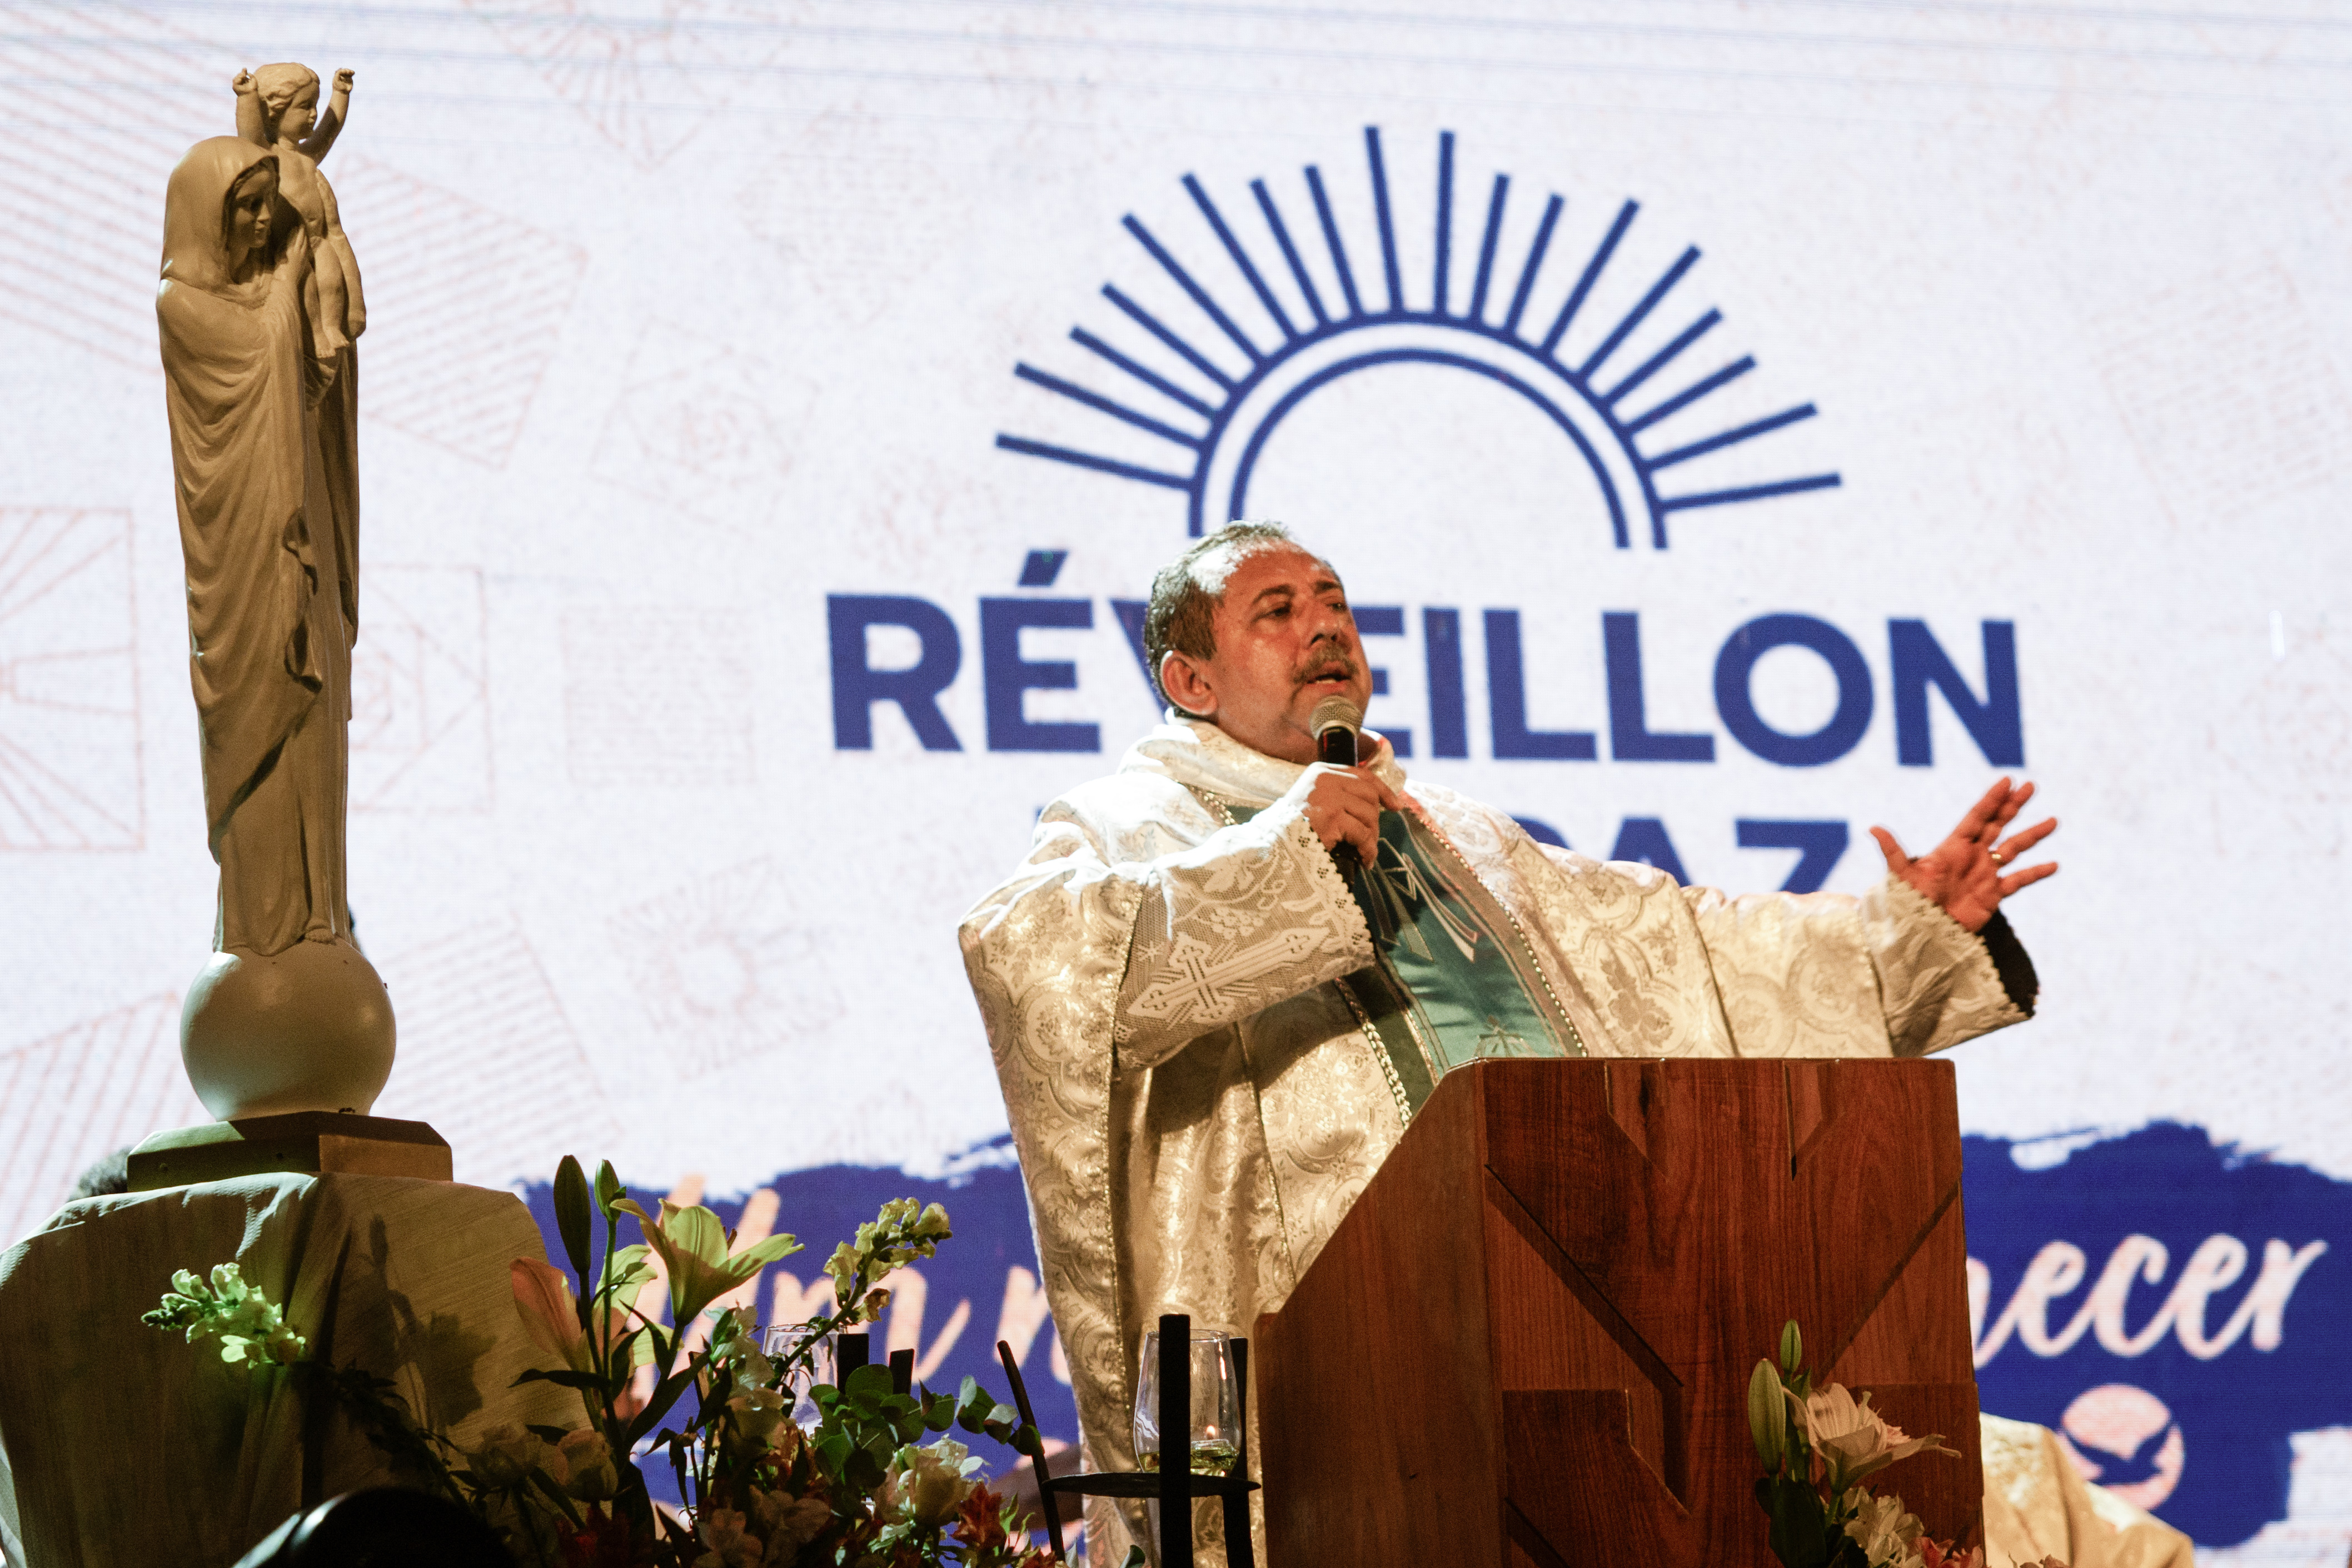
<point x="330" y="119"/>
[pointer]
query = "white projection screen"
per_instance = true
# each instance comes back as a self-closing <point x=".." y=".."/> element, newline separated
<point x="1739" y="424"/>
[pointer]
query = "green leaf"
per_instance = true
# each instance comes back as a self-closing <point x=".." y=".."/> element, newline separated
<point x="871" y="1381"/>
<point x="1792" y="1348"/>
<point x="1800" y="1531"/>
<point x="666" y="1394"/>
<point x="761" y="1253"/>
<point x="566" y="1379"/>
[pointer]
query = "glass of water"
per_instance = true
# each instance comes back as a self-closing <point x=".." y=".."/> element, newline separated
<point x="1216" y="1435"/>
<point x="784" y="1340"/>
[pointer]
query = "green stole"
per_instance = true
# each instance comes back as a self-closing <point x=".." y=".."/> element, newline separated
<point x="1458" y="981"/>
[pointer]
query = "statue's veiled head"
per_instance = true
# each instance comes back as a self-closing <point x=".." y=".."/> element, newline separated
<point x="220" y="210"/>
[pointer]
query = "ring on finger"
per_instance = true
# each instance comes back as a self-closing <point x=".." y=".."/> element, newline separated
<point x="1996" y="857"/>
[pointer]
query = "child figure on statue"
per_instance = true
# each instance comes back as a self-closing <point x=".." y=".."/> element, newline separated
<point x="277" y="108"/>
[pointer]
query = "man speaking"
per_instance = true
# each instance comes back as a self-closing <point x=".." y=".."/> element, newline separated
<point x="1229" y="973"/>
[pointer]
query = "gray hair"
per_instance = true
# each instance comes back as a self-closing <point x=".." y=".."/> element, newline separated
<point x="1185" y="593"/>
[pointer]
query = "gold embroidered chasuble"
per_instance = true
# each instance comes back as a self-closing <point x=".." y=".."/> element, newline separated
<point x="1194" y="1094"/>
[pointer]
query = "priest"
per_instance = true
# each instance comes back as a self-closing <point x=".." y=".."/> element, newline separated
<point x="1228" y="975"/>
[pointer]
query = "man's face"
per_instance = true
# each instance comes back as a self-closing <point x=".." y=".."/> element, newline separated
<point x="1286" y="641"/>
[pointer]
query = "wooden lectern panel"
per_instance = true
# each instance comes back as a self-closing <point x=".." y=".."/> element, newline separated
<point x="1529" y="1340"/>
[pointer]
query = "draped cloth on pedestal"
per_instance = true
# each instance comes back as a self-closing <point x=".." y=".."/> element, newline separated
<point x="123" y="1447"/>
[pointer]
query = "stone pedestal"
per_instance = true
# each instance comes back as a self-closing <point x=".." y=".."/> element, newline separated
<point x="304" y="1143"/>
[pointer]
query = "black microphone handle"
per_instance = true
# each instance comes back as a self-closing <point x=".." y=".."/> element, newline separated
<point x="1336" y="745"/>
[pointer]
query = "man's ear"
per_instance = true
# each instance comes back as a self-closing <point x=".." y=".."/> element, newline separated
<point x="1182" y="681"/>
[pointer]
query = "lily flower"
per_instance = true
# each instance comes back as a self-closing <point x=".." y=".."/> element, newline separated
<point x="543" y="1300"/>
<point x="693" y="1248"/>
<point x="1852" y="1439"/>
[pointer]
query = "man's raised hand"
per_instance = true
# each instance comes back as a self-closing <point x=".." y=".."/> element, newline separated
<point x="1343" y="805"/>
<point x="1967" y="874"/>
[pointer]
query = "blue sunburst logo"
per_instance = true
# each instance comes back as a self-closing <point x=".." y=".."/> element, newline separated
<point x="1217" y="397"/>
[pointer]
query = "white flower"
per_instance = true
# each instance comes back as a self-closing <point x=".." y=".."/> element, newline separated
<point x="589" y="1459"/>
<point x="1852" y="1439"/>
<point x="757" y="1413"/>
<point x="788" y="1522"/>
<point x="721" y="1530"/>
<point x="1888" y="1536"/>
<point x="928" y="1486"/>
<point x="506" y="1455"/>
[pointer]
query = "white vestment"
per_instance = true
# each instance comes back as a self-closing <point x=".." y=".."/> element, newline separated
<point x="1193" y="1099"/>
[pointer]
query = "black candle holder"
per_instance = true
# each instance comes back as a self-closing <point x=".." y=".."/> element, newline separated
<point x="1173" y="1486"/>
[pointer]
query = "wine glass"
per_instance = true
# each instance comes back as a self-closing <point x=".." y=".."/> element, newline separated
<point x="1216" y="1436"/>
<point x="784" y="1340"/>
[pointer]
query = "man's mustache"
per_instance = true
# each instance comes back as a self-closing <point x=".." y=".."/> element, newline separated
<point x="1341" y="666"/>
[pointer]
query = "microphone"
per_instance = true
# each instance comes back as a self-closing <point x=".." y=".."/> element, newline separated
<point x="1334" y="724"/>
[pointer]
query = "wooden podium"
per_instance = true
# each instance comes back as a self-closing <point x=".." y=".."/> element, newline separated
<point x="1528" y="1343"/>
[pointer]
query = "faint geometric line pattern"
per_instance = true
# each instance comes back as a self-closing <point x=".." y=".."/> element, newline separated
<point x="465" y="308"/>
<point x="81" y="1093"/>
<point x="70" y="765"/>
<point x="2226" y="388"/>
<point x="861" y="213"/>
<point x="420" y="692"/>
<point x="657" y="696"/>
<point x="698" y="426"/>
<point x="489" y="1058"/>
<point x="90" y="277"/>
<point x="725" y="969"/>
<point x="634" y="78"/>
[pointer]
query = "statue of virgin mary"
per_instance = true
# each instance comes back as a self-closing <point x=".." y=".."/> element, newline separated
<point x="270" y="579"/>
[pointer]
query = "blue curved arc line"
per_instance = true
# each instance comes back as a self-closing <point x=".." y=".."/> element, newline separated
<point x="1332" y="372"/>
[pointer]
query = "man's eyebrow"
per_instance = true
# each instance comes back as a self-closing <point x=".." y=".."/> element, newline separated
<point x="1263" y="594"/>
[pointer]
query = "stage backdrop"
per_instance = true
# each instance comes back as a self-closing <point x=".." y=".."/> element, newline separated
<point x="1738" y="424"/>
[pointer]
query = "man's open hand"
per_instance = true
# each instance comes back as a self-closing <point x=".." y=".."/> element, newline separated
<point x="1967" y="874"/>
<point x="1343" y="805"/>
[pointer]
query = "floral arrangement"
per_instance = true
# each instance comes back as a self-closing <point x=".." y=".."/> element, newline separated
<point x="861" y="1489"/>
<point x="1818" y="1444"/>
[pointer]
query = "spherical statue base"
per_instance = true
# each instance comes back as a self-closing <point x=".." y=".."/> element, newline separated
<point x="308" y="1029"/>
